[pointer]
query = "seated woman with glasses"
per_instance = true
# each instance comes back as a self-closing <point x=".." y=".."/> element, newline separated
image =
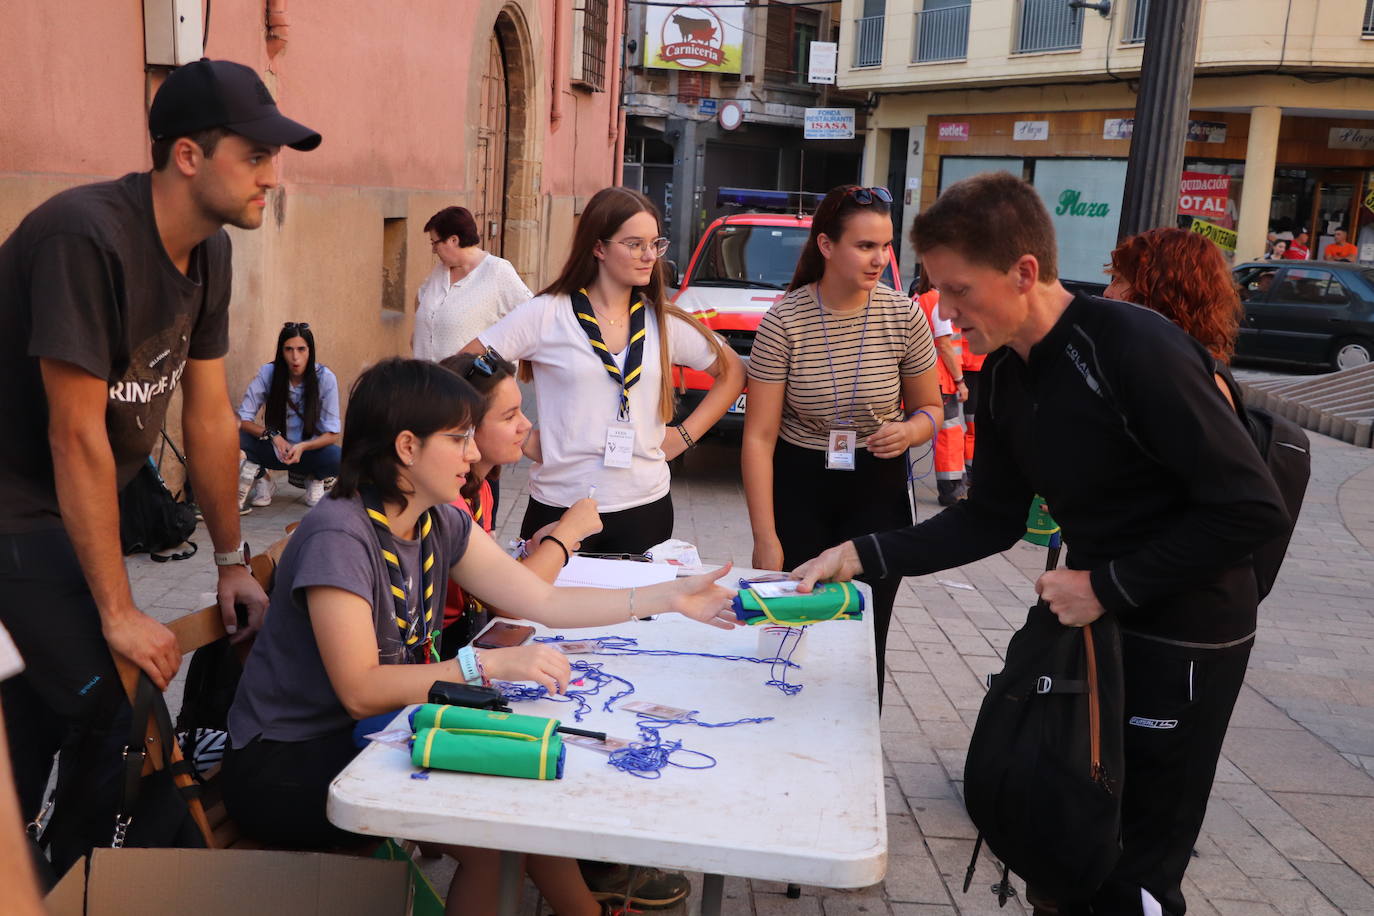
<point x="468" y="291"/>
<point x="299" y="401"/>
<point x="602" y="340"/>
<point x="501" y="429"/>
<point x="353" y="631"/>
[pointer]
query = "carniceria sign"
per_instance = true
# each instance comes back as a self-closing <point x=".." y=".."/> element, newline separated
<point x="703" y="36"/>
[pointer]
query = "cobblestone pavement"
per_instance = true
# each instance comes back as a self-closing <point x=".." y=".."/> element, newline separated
<point x="1290" y="828"/>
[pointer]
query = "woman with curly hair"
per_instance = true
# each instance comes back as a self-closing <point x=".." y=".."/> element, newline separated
<point x="1184" y="277"/>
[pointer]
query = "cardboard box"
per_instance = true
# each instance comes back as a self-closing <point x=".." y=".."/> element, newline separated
<point x="230" y="882"/>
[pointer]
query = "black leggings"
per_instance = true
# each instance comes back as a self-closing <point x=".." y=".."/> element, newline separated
<point x="632" y="530"/>
<point x="276" y="791"/>
<point x="815" y="508"/>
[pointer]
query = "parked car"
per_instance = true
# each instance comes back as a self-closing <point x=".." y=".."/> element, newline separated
<point x="1318" y="313"/>
<point x="740" y="267"/>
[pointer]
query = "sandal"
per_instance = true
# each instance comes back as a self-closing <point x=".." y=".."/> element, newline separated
<point x="184" y="550"/>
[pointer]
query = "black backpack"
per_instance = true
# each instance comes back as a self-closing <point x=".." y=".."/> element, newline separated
<point x="1287" y="453"/>
<point x="150" y="519"/>
<point x="1042" y="779"/>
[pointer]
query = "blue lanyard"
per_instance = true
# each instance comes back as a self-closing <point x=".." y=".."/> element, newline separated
<point x="858" y="361"/>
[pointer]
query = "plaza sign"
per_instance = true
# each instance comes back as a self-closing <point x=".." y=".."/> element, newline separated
<point x="694" y="36"/>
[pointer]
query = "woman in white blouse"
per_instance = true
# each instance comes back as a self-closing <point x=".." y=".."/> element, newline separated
<point x="602" y="340"/>
<point x="468" y="291"/>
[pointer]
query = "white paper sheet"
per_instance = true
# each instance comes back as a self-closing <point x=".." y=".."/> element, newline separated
<point x="599" y="573"/>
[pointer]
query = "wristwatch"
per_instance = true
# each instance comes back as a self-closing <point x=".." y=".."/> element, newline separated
<point x="269" y="433"/>
<point x="233" y="557"/>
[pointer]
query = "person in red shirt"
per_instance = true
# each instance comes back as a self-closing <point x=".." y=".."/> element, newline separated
<point x="1297" y="249"/>
<point x="1341" y="249"/>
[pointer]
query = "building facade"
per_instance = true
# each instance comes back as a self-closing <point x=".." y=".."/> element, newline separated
<point x="716" y="97"/>
<point x="1281" y="131"/>
<point x="481" y="104"/>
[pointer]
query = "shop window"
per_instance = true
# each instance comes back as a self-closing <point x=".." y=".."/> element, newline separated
<point x="589" y="44"/>
<point x="787" y="55"/>
<point x="1138" y="16"/>
<point x="1048" y="25"/>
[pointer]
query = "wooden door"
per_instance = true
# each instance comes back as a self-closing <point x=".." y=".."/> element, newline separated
<point x="490" y="211"/>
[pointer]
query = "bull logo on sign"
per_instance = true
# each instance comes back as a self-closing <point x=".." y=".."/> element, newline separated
<point x="692" y="37"/>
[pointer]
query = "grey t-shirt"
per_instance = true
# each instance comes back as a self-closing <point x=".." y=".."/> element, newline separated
<point x="285" y="693"/>
<point x="85" y="280"/>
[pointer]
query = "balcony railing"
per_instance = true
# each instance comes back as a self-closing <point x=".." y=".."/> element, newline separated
<point x="1135" y="22"/>
<point x="868" y="41"/>
<point x="942" y="34"/>
<point x="1049" y="25"/>
<point x="1368" y="18"/>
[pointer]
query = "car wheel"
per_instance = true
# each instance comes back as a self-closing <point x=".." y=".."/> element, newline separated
<point x="1350" y="354"/>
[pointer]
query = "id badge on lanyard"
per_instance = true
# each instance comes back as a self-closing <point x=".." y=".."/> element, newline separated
<point x="620" y="446"/>
<point x="839" y="451"/>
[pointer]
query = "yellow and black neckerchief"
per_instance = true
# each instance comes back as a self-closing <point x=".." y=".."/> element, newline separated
<point x="420" y="631"/>
<point x="634" y="359"/>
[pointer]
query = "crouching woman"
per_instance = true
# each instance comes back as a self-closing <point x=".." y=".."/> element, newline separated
<point x="354" y="624"/>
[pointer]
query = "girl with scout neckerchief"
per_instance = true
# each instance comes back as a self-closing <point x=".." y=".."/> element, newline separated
<point x="353" y="628"/>
<point x="602" y="340"/>
<point x="842" y="381"/>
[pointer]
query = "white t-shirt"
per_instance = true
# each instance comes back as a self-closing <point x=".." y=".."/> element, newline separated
<point x="578" y="402"/>
<point x="449" y="315"/>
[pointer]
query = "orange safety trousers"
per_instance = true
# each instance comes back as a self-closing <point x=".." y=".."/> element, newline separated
<point x="950" y="443"/>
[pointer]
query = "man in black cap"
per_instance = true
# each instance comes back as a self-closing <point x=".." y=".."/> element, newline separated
<point x="112" y="295"/>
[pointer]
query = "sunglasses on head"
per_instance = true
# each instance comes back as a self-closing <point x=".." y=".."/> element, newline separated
<point x="486" y="364"/>
<point x="866" y="196"/>
<point x="296" y="326"/>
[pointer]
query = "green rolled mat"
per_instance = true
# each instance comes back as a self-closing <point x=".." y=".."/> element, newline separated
<point x="518" y="755"/>
<point x="831" y="601"/>
<point x="479" y="721"/>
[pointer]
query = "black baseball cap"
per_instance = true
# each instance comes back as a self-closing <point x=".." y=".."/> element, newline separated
<point x="220" y="93"/>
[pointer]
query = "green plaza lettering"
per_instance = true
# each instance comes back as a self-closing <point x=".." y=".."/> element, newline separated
<point x="1070" y="203"/>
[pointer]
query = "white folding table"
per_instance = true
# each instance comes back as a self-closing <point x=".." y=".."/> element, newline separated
<point x="798" y="799"/>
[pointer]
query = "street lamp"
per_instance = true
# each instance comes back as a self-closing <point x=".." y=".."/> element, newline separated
<point x="1103" y="7"/>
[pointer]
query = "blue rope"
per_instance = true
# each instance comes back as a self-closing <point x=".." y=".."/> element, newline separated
<point x="627" y="645"/>
<point x="590" y="671"/>
<point x="650" y="756"/>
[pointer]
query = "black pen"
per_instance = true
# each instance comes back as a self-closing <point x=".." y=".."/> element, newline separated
<point x="599" y="736"/>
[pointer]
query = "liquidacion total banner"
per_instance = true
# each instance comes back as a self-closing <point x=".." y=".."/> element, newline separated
<point x="692" y="36"/>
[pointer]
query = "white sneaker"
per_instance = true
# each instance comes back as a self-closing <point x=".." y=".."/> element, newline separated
<point x="263" y="491"/>
<point x="314" y="491"/>
<point x="248" y="473"/>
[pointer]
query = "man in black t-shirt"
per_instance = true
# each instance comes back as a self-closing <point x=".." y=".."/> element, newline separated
<point x="113" y="295"/>
<point x="1110" y="412"/>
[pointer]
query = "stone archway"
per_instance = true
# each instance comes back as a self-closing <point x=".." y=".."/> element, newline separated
<point x="519" y="228"/>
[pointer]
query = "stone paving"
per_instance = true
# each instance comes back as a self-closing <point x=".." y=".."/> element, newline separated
<point x="1290" y="828"/>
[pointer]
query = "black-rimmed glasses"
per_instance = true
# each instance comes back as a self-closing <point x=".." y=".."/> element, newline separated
<point x="866" y="196"/>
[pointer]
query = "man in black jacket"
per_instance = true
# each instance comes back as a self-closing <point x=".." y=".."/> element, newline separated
<point x="1110" y="412"/>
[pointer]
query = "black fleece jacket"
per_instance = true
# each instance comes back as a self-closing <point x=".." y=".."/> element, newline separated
<point x="1117" y="421"/>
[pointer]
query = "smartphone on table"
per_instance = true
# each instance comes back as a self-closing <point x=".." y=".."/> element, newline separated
<point x="502" y="635"/>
